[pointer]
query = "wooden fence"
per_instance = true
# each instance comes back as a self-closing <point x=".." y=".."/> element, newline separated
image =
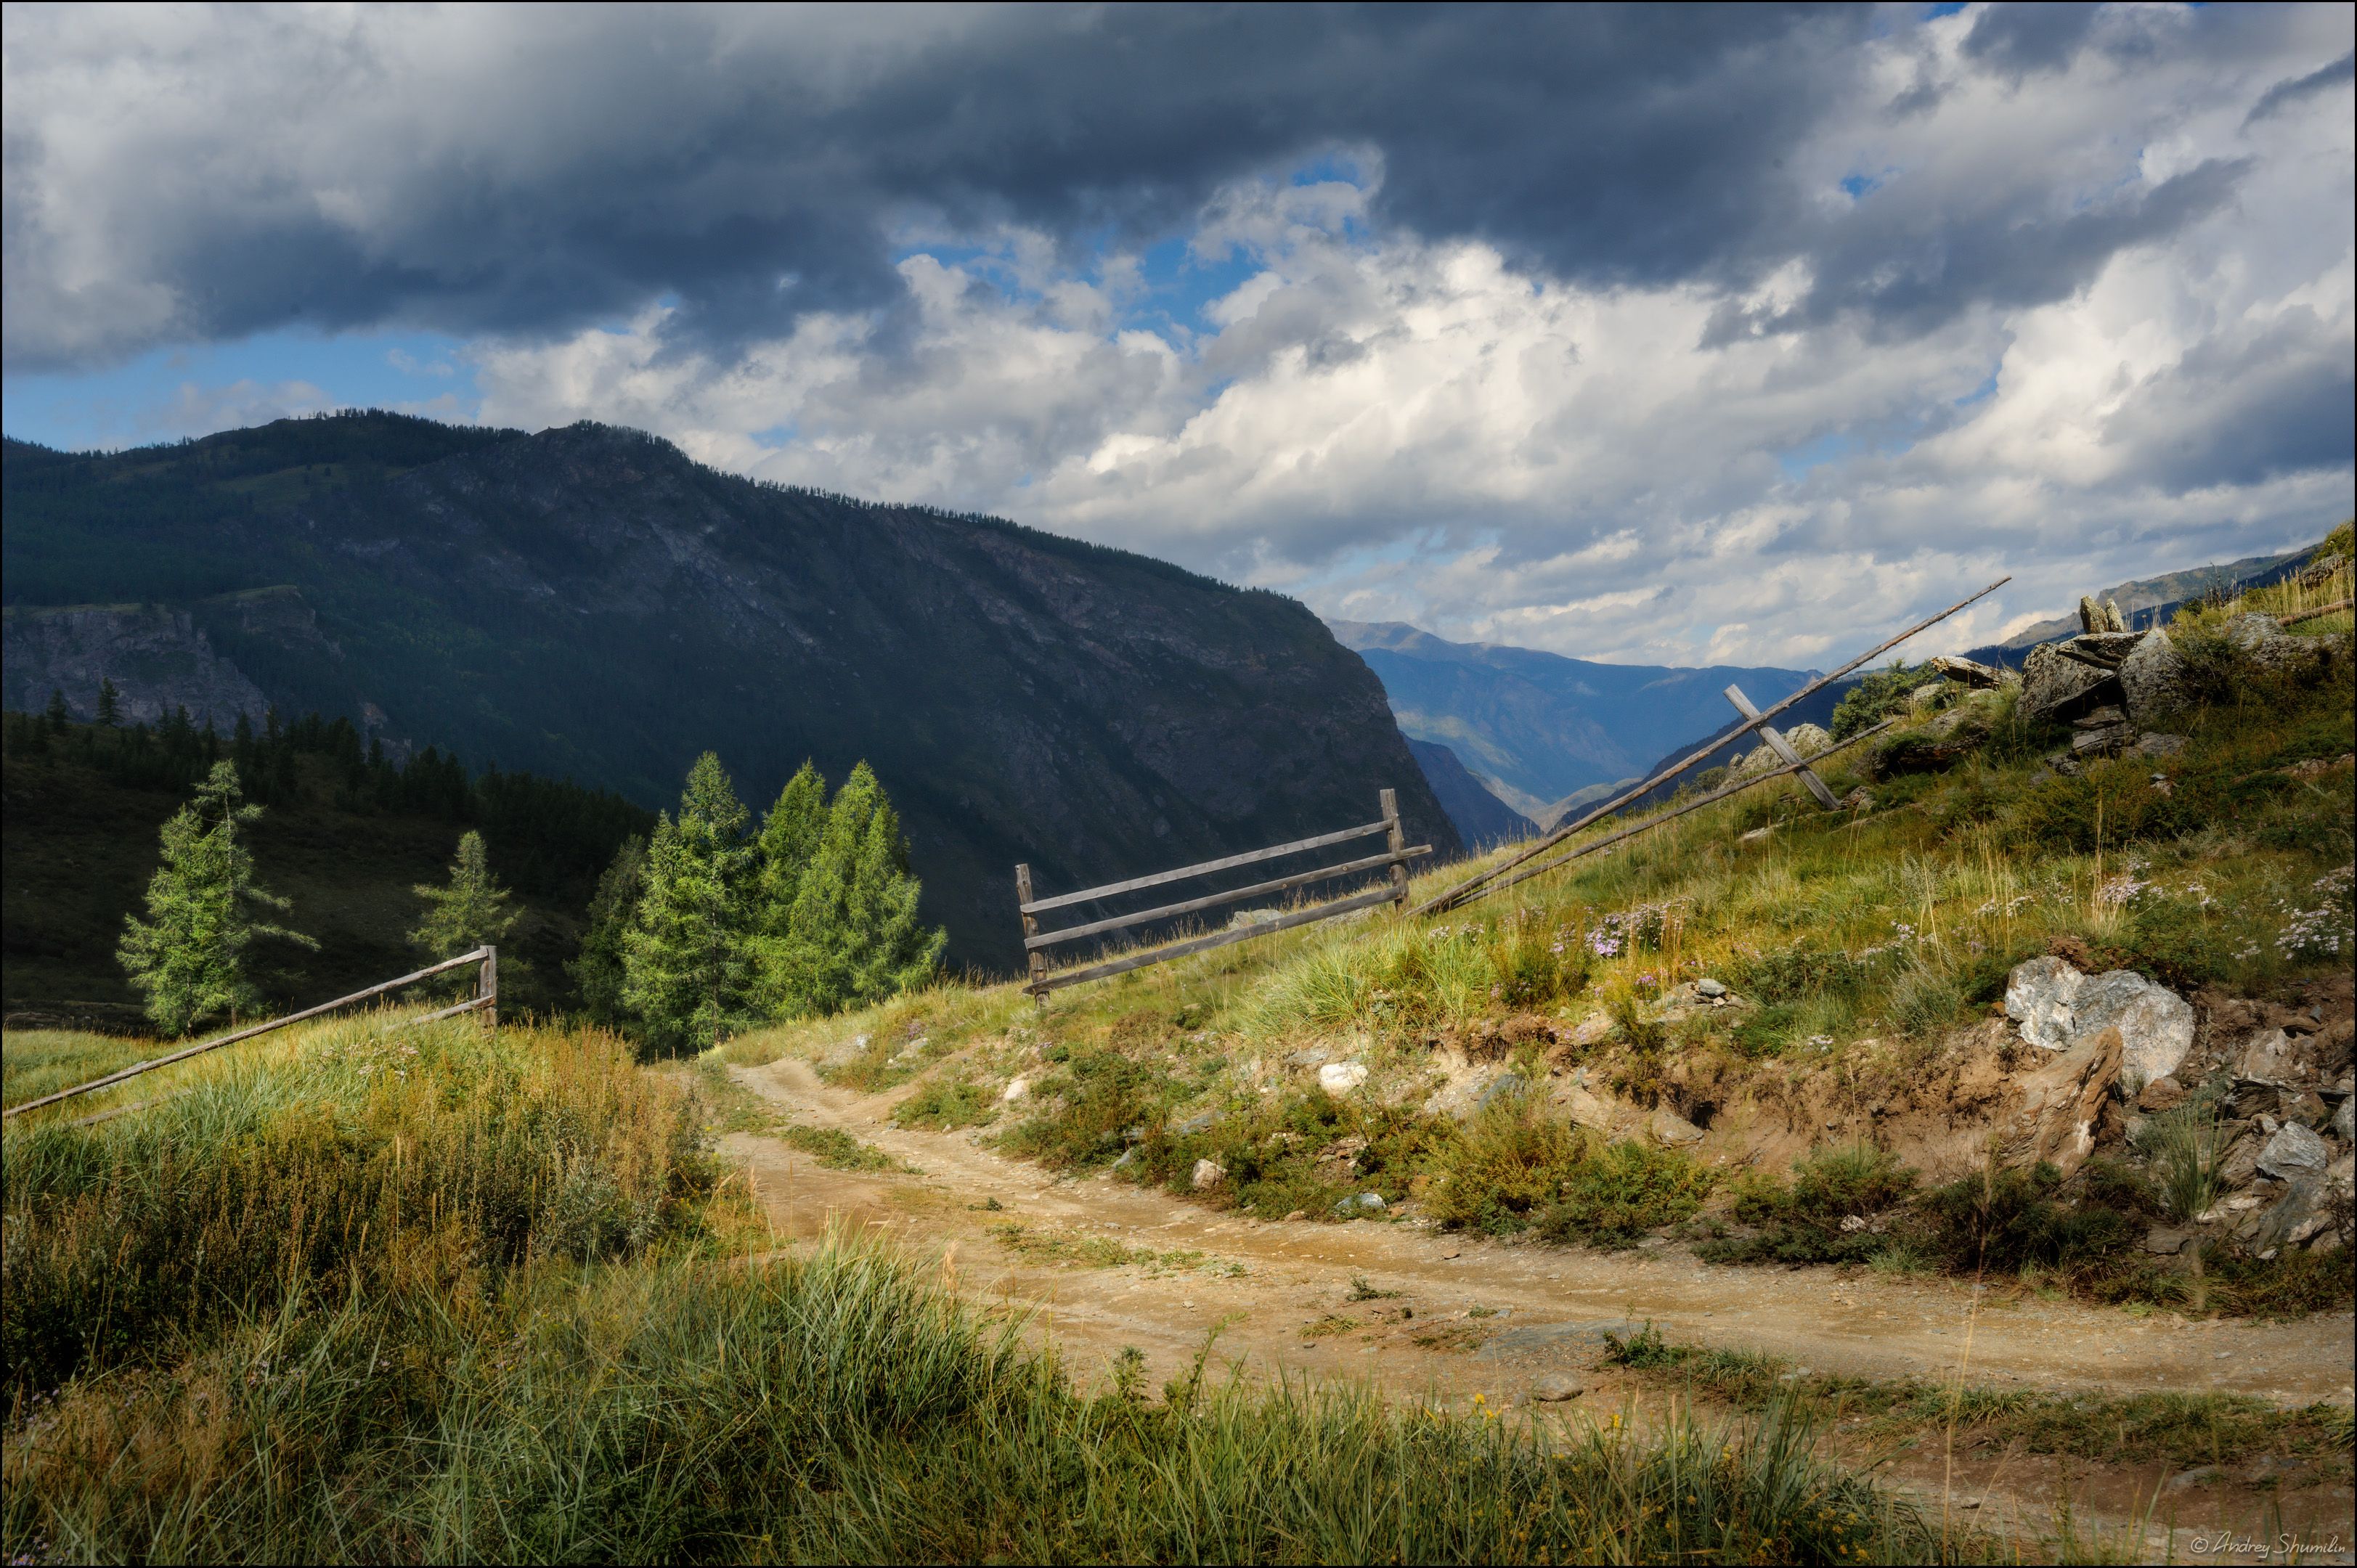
<point x="1396" y="853"/>
<point x="484" y="1001"/>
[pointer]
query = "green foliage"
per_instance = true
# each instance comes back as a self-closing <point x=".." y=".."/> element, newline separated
<point x="110" y="704"/>
<point x="2000" y="1221"/>
<point x="1514" y="1167"/>
<point x="944" y="1104"/>
<point x="687" y="971"/>
<point x="2187" y="1155"/>
<point x="1618" y="1192"/>
<point x="188" y="956"/>
<point x="470" y="911"/>
<point x="1878" y="694"/>
<point x="836" y="1149"/>
<point x="791" y="833"/>
<point x="1800" y="1221"/>
<point x="600" y="970"/>
<point x="851" y="935"/>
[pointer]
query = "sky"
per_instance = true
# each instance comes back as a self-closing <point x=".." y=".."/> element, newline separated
<point x="1650" y="335"/>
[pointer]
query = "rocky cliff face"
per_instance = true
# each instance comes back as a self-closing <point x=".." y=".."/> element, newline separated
<point x="587" y="602"/>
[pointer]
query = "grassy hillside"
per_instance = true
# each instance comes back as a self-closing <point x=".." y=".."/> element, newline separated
<point x="1518" y="1054"/>
<point x="344" y="837"/>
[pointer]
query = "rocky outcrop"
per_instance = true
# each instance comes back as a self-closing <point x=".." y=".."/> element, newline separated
<point x="158" y="660"/>
<point x="2152" y="679"/>
<point x="2055" y="686"/>
<point x="2060" y="1009"/>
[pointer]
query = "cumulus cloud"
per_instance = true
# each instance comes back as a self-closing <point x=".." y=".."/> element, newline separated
<point x="1628" y="333"/>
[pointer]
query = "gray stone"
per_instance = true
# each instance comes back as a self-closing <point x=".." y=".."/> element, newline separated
<point x="1554" y="1388"/>
<point x="1341" y="1078"/>
<point x="1708" y="987"/>
<point x="2039" y="996"/>
<point x="1362" y="1203"/>
<point x="2344" y="1121"/>
<point x="1967" y="671"/>
<point x="1546" y="1338"/>
<point x="2293" y="1151"/>
<point x="1505" y="1086"/>
<point x="2053" y="686"/>
<point x="1314" y="1056"/>
<point x="1671" y="1130"/>
<point x="2157" y="746"/>
<point x="1209" y="1174"/>
<point x="2266" y="644"/>
<point x="2152" y="679"/>
<point x="1202" y="1121"/>
<point x="1808" y="739"/>
<point x="2155" y="1025"/>
<point x="2241" y="1165"/>
<point x="2164" y="1241"/>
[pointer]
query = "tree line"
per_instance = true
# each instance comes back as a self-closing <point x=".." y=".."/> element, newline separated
<point x="703" y="927"/>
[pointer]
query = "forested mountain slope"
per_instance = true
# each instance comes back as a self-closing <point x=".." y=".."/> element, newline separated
<point x="588" y="603"/>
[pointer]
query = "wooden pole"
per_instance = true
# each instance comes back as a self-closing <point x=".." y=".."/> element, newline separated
<point x="487" y="987"/>
<point x="1783" y="748"/>
<point x="1396" y="837"/>
<point x="246" y="1034"/>
<point x="1039" y="959"/>
<point x="1450" y="897"/>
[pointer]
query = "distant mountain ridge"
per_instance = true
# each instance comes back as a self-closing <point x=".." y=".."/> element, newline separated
<point x="586" y="602"/>
<point x="1481" y="819"/>
<point x="1543" y="726"/>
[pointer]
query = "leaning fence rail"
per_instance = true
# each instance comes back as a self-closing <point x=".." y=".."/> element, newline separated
<point x="1397" y="853"/>
<point x="1463" y="892"/>
<point x="485" y="1000"/>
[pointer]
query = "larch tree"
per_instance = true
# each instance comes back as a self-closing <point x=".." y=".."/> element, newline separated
<point x="686" y="963"/>
<point x="189" y="956"/>
<point x="791" y="835"/>
<point x="853" y="935"/>
<point x="597" y="972"/>
<point x="469" y="910"/>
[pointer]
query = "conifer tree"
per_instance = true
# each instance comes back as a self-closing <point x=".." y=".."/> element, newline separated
<point x="597" y="972"/>
<point x="188" y="955"/>
<point x="55" y="712"/>
<point x="110" y="703"/>
<point x="853" y="937"/>
<point x="686" y="963"/>
<point x="471" y="910"/>
<point x="791" y="835"/>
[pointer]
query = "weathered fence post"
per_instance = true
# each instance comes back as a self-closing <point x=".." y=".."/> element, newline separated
<point x="1037" y="958"/>
<point x="487" y="987"/>
<point x="1784" y="748"/>
<point x="1396" y="838"/>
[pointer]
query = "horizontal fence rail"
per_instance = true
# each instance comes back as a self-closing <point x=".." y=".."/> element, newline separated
<point x="486" y="1001"/>
<point x="1396" y="856"/>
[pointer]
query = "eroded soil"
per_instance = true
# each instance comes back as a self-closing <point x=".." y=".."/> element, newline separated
<point x="1456" y="1317"/>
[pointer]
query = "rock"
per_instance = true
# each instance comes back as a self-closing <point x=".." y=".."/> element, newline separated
<point x="1362" y="1203"/>
<point x="1859" y="800"/>
<point x="2055" y="687"/>
<point x="2344" y="1121"/>
<point x="1244" y="919"/>
<point x="1708" y="987"/>
<point x="2307" y="1109"/>
<point x="1966" y="671"/>
<point x="1128" y="1158"/>
<point x="1016" y="1088"/>
<point x="2101" y="733"/>
<point x="1202" y="1121"/>
<point x="2165" y="1242"/>
<point x="1505" y="1086"/>
<point x="1341" y="1078"/>
<point x="2061" y="1100"/>
<point x="2152" y="679"/>
<point x="2293" y="1151"/>
<point x="2161" y="1094"/>
<point x="2155" y="1025"/>
<point x="1207" y="1174"/>
<point x="1313" y="1056"/>
<point x="1757" y="836"/>
<point x="2199" y="1476"/>
<point x="2242" y="1162"/>
<point x="1673" y="1131"/>
<point x="1853" y="1223"/>
<point x="2039" y="996"/>
<point x="1808" y="739"/>
<point x="1594" y="1029"/>
<point x="1556" y="1387"/>
<point x="2267" y="1057"/>
<point x="1298" y="1214"/>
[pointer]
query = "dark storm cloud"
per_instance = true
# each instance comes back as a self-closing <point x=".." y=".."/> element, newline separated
<point x="2245" y="407"/>
<point x="705" y="158"/>
<point x="2284" y="95"/>
<point x="2019" y="38"/>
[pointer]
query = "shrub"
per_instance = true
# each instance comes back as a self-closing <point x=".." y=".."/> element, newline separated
<point x="2005" y="1220"/>
<point x="1617" y="1192"/>
<point x="1800" y="1222"/>
<point x="1509" y="1162"/>
<point x="944" y="1104"/>
<point x="1878" y="694"/>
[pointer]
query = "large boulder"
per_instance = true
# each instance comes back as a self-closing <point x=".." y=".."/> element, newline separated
<point x="2038" y="997"/>
<point x="2061" y="1100"/>
<point x="2292" y="1152"/>
<point x="2152" y="679"/>
<point x="2056" y="687"/>
<point x="2263" y="641"/>
<point x="2155" y="1025"/>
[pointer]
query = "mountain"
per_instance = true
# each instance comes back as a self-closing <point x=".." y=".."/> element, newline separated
<point x="1479" y="817"/>
<point x="588" y="603"/>
<point x="1541" y="725"/>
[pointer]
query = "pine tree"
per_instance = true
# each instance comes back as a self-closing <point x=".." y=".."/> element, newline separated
<point x="852" y="937"/>
<point x="188" y="955"/>
<point x="597" y="972"/>
<point x="686" y="959"/>
<point x="110" y="703"/>
<point x="470" y="911"/>
<point x="790" y="836"/>
<point x="55" y="712"/>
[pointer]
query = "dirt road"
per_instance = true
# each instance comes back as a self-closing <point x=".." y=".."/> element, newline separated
<point x="1446" y="1317"/>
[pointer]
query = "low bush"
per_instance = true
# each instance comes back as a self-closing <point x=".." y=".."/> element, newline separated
<point x="1800" y="1221"/>
<point x="1514" y="1166"/>
<point x="2002" y="1221"/>
<point x="944" y="1104"/>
